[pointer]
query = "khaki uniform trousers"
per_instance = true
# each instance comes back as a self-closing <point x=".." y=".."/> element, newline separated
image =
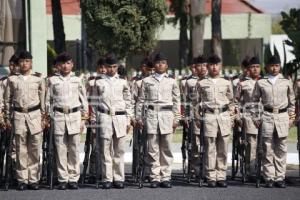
<point x="67" y="157"/>
<point x="28" y="149"/>
<point x="112" y="153"/>
<point x="250" y="156"/>
<point x="274" y="157"/>
<point x="216" y="149"/>
<point x="160" y="156"/>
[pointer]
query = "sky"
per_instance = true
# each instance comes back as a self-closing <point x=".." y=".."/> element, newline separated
<point x="275" y="6"/>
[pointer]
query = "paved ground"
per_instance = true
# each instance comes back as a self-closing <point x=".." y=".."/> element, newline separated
<point x="181" y="189"/>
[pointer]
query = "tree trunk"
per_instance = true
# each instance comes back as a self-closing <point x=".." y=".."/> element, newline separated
<point x="58" y="27"/>
<point x="183" y="37"/>
<point x="197" y="15"/>
<point x="216" y="41"/>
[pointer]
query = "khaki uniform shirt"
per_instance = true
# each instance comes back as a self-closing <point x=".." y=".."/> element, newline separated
<point x="214" y="96"/>
<point x="278" y="96"/>
<point x="114" y="96"/>
<point x="247" y="107"/>
<point x="66" y="92"/>
<point x="25" y="92"/>
<point x="157" y="93"/>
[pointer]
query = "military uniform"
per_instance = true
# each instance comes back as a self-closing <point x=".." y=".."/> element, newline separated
<point x="190" y="94"/>
<point x="243" y="95"/>
<point x="278" y="99"/>
<point x="114" y="113"/>
<point x="216" y="99"/>
<point x="67" y="103"/>
<point x="161" y="97"/>
<point x="24" y="101"/>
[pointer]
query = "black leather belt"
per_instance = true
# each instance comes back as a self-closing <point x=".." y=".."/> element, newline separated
<point x="27" y="110"/>
<point x="275" y="110"/>
<point x="67" y="110"/>
<point x="217" y="110"/>
<point x="101" y="110"/>
<point x="160" y="108"/>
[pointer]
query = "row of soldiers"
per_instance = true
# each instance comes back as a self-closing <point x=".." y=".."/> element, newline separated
<point x="151" y="103"/>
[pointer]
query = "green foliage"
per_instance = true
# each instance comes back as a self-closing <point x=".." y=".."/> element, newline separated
<point x="276" y="27"/>
<point x="291" y="25"/>
<point x="123" y="26"/>
<point x="51" y="55"/>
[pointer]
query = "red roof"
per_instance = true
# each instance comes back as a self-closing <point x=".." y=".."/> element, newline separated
<point x="72" y="7"/>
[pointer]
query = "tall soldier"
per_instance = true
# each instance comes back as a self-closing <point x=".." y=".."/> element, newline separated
<point x="92" y="99"/>
<point x="215" y="97"/>
<point x="67" y="105"/>
<point x="243" y="95"/>
<point x="24" y="105"/>
<point x="114" y="112"/>
<point x="199" y="71"/>
<point x="161" y="97"/>
<point x="278" y="99"/>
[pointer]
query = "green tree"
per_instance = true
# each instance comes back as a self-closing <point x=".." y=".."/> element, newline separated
<point x="291" y="25"/>
<point x="123" y="26"/>
<point x="58" y="27"/>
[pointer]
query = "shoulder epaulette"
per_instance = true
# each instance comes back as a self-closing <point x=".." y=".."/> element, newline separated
<point x="37" y="74"/>
<point x="171" y="76"/>
<point x="3" y="78"/>
<point x="98" y="77"/>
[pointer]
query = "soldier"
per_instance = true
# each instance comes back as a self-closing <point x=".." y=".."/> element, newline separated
<point x="243" y="95"/>
<point x="161" y="97"/>
<point x="114" y="112"/>
<point x="67" y="105"/>
<point x="238" y="78"/>
<point x="93" y="99"/>
<point x="278" y="99"/>
<point x="146" y="68"/>
<point x="24" y="105"/>
<point x="215" y="97"/>
<point x="197" y="68"/>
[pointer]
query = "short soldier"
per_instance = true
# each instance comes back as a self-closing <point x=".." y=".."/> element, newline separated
<point x="24" y="101"/>
<point x="238" y="78"/>
<point x="215" y="97"/>
<point x="278" y="99"/>
<point x="198" y="67"/>
<point x="243" y="96"/>
<point x="161" y="98"/>
<point x="114" y="113"/>
<point x="91" y="92"/>
<point x="67" y="105"/>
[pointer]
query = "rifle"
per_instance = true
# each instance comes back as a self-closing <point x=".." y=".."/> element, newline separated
<point x="142" y="151"/>
<point x="50" y="155"/>
<point x="184" y="148"/>
<point x="201" y="151"/>
<point x="45" y="156"/>
<point x="2" y="152"/>
<point x="87" y="152"/>
<point x="135" y="152"/>
<point x="97" y="152"/>
<point x="242" y="153"/>
<point x="259" y="155"/>
<point x="235" y="151"/>
<point x="298" y="136"/>
<point x="9" y="160"/>
<point x="189" y="144"/>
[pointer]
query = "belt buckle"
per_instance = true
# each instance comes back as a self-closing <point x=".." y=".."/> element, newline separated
<point x="24" y="110"/>
<point x="216" y="111"/>
<point x="66" y="110"/>
<point x="275" y="110"/>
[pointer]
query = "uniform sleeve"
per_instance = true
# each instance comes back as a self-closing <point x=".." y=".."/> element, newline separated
<point x="141" y="101"/>
<point x="83" y="99"/>
<point x="42" y="93"/>
<point x="229" y="95"/>
<point x="128" y="102"/>
<point x="48" y="99"/>
<point x="196" y="101"/>
<point x="8" y="98"/>
<point x="176" y="101"/>
<point x="291" y="98"/>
